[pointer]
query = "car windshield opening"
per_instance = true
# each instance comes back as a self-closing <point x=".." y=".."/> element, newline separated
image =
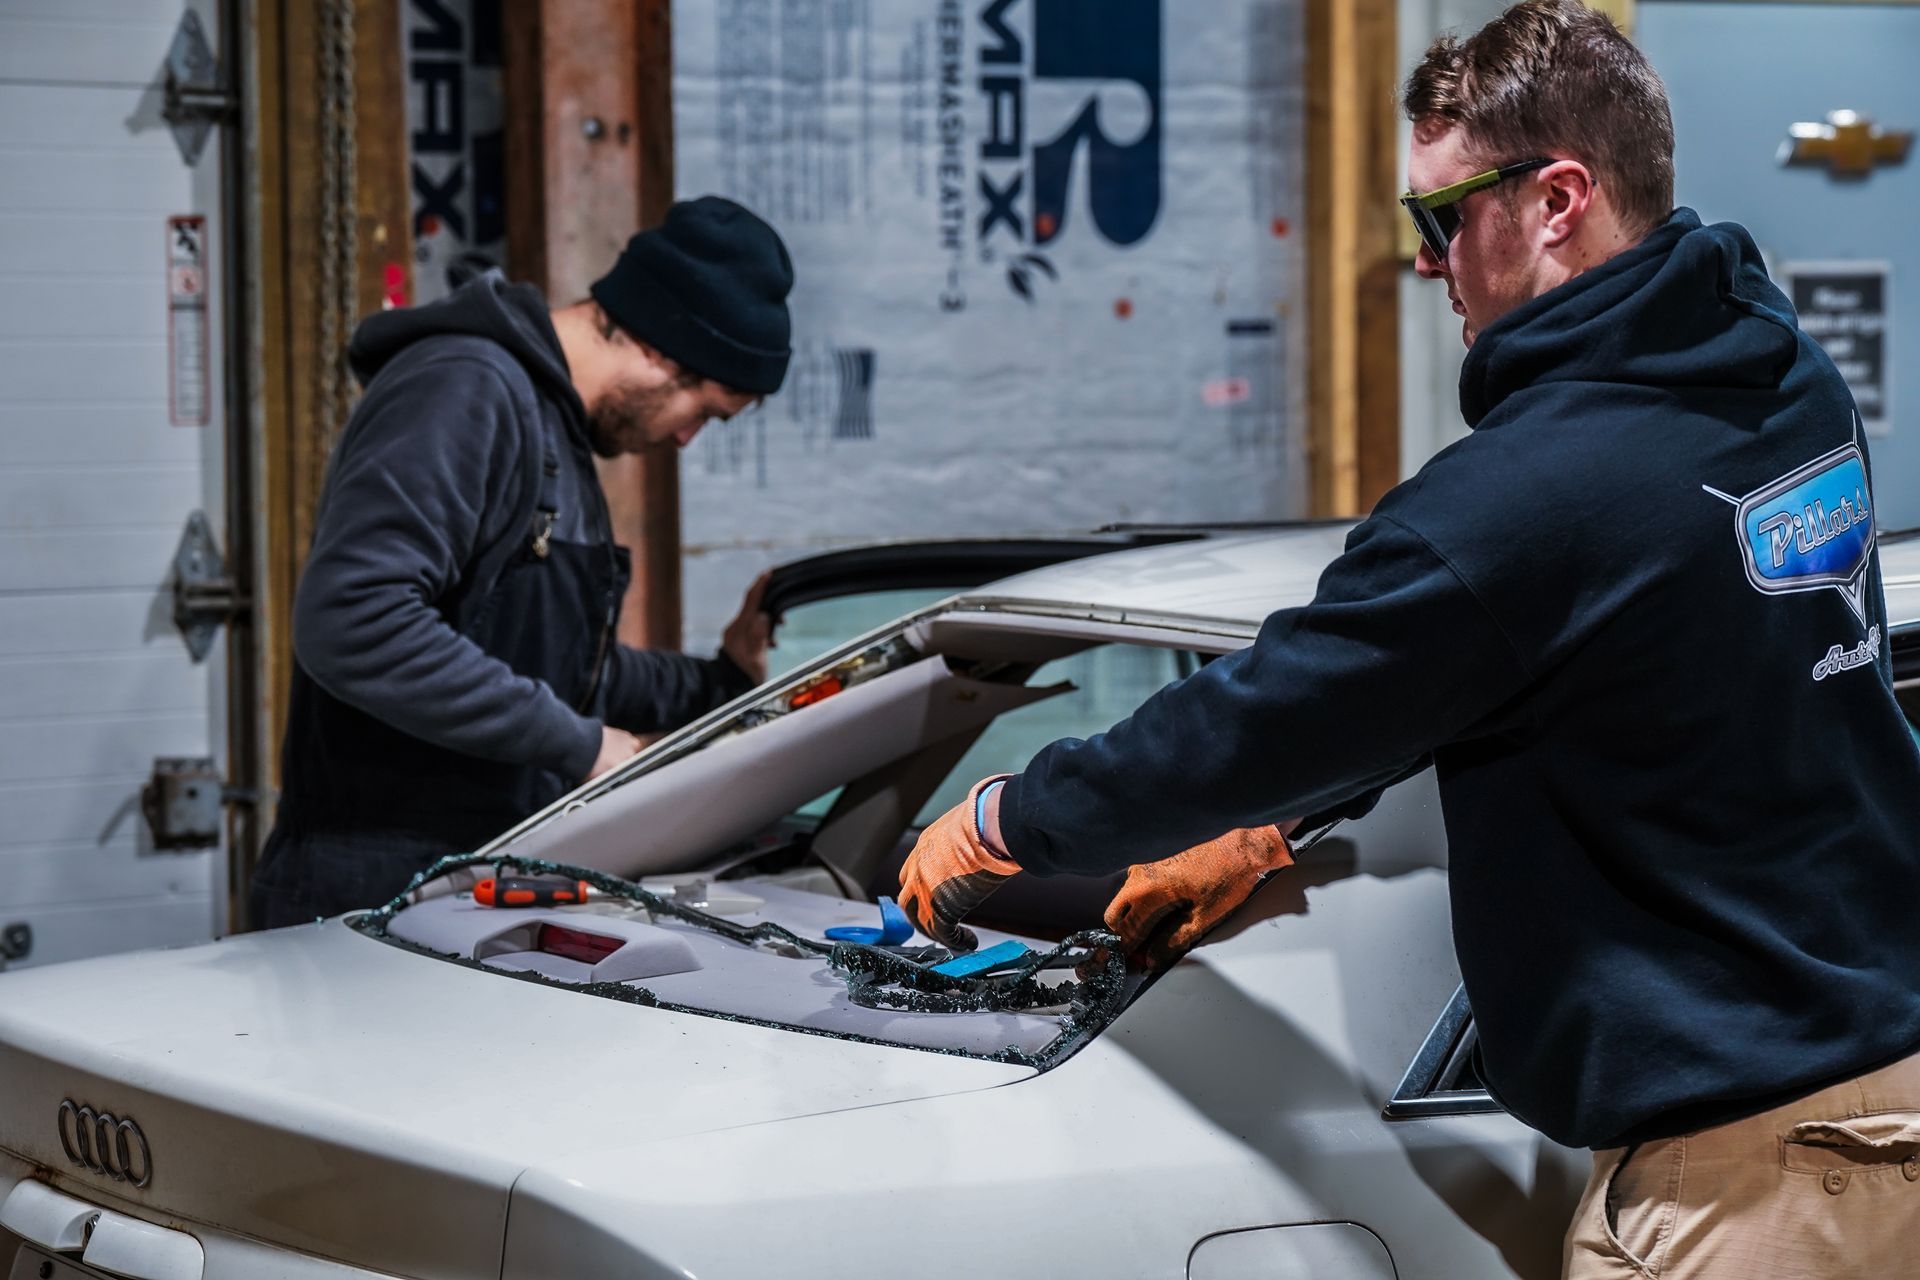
<point x="714" y="878"/>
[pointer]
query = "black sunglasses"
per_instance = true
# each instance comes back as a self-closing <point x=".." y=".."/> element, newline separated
<point x="1436" y="215"/>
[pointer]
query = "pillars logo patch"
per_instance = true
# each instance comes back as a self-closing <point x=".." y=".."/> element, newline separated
<point x="1809" y="530"/>
<point x="1069" y="100"/>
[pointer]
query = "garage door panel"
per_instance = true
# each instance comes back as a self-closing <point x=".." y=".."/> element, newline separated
<point x="87" y="811"/>
<point x="51" y="434"/>
<point x="101" y="684"/>
<point x="72" y="246"/>
<point x="88" y="372"/>
<point x="83" y="622"/>
<point x="102" y="52"/>
<point x="121" y="869"/>
<point x="96" y="483"/>
<point x="71" y="497"/>
<point x="90" y="929"/>
<point x="92" y="309"/>
<point x="82" y="119"/>
<point x="73" y="749"/>
<point x="152" y="182"/>
<point x="87" y="559"/>
<point x="153" y="12"/>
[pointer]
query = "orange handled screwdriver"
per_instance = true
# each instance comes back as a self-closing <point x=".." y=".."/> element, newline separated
<point x="520" y="891"/>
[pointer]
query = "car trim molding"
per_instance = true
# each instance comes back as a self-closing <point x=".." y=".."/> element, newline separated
<point x="104" y="1143"/>
<point x="1426" y="1088"/>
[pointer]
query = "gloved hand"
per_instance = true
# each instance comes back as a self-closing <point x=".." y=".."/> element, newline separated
<point x="1166" y="907"/>
<point x="950" y="872"/>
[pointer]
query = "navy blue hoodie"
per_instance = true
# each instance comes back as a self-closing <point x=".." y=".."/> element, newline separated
<point x="1634" y="621"/>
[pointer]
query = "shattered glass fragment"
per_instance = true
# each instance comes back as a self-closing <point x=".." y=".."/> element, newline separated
<point x="875" y="977"/>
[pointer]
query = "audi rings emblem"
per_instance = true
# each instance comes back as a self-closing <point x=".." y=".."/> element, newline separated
<point x="104" y="1143"/>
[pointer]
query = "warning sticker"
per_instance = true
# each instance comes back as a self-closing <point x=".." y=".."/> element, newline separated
<point x="187" y="354"/>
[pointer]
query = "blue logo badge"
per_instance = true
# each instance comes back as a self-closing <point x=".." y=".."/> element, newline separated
<point x="1810" y="529"/>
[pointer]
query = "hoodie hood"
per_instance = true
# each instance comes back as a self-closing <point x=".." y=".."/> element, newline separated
<point x="1689" y="306"/>
<point x="512" y="315"/>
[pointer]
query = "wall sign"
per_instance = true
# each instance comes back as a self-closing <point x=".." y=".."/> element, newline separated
<point x="1045" y="268"/>
<point x="1844" y="306"/>
<point x="454" y="119"/>
<point x="187" y="354"/>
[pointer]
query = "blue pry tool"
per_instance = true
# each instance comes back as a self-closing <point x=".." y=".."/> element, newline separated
<point x="894" y="928"/>
<point x="999" y="956"/>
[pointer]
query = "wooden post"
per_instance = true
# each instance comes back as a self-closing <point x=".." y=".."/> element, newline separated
<point x="282" y="93"/>
<point x="589" y="158"/>
<point x="1353" y="291"/>
<point x="657" y="590"/>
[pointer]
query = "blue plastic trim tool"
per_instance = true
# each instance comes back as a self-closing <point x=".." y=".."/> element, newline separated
<point x="894" y="928"/>
<point x="998" y="956"/>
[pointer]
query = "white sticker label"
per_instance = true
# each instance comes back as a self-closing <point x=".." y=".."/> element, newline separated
<point x="187" y="355"/>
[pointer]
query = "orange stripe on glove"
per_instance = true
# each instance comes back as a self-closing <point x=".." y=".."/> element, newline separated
<point x="1165" y="908"/>
<point x="950" y="872"/>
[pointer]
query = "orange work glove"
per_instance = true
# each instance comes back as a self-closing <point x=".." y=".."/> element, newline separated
<point x="950" y="872"/>
<point x="1166" y="907"/>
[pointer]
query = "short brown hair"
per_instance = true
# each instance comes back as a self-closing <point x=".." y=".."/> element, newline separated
<point x="1553" y="77"/>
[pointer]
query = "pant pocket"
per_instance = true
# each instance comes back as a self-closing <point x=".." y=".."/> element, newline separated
<point x="1642" y="1201"/>
<point x="1885" y="1143"/>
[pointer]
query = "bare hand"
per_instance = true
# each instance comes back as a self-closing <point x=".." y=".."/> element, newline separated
<point x="750" y="634"/>
<point x="616" y="747"/>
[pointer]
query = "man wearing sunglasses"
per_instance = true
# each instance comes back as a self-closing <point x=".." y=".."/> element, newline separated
<point x="1684" y="846"/>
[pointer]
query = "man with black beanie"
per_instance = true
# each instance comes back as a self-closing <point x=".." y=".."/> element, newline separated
<point x="456" y="667"/>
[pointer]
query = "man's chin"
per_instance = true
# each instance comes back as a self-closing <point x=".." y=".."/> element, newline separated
<point x="1468" y="333"/>
<point x="607" y="442"/>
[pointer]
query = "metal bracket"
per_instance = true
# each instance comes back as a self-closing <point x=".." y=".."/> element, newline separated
<point x="204" y="593"/>
<point x="196" y="97"/>
<point x="182" y="803"/>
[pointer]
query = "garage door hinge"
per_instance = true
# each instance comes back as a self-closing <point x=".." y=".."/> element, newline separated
<point x="197" y="97"/>
<point x="204" y="593"/>
<point x="185" y="801"/>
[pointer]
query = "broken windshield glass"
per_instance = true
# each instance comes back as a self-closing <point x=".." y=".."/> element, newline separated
<point x="763" y="960"/>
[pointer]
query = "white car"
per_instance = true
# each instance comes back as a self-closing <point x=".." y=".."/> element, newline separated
<point x="687" y="1080"/>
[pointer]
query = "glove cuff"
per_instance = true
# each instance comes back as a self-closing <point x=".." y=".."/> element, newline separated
<point x="975" y="824"/>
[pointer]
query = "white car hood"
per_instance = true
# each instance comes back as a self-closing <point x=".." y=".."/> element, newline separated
<point x="317" y="1088"/>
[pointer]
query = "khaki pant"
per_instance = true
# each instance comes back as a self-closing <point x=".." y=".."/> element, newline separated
<point x="1824" y="1188"/>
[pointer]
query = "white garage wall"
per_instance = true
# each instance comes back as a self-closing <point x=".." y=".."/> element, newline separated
<point x="95" y="483"/>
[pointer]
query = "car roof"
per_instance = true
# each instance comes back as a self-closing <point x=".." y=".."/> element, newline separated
<point x="1244" y="577"/>
<point x="1237" y="578"/>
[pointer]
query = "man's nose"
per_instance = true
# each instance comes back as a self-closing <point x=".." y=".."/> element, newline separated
<point x="1428" y="267"/>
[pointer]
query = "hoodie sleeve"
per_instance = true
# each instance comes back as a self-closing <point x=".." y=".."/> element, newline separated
<point x="651" y="690"/>
<point x="406" y="509"/>
<point x="1394" y="656"/>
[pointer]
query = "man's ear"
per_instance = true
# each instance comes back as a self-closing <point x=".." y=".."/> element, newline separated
<point x="1569" y="194"/>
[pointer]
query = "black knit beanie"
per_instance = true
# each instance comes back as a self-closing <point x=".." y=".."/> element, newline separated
<point x="707" y="288"/>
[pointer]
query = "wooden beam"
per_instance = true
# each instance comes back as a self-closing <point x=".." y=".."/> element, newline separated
<point x="657" y="588"/>
<point x="281" y="104"/>
<point x="1377" y="270"/>
<point x="1353" y="357"/>
<point x="587" y="167"/>
<point x="383" y="186"/>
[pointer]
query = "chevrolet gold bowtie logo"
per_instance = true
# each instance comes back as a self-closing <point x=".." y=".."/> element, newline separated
<point x="1849" y="145"/>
